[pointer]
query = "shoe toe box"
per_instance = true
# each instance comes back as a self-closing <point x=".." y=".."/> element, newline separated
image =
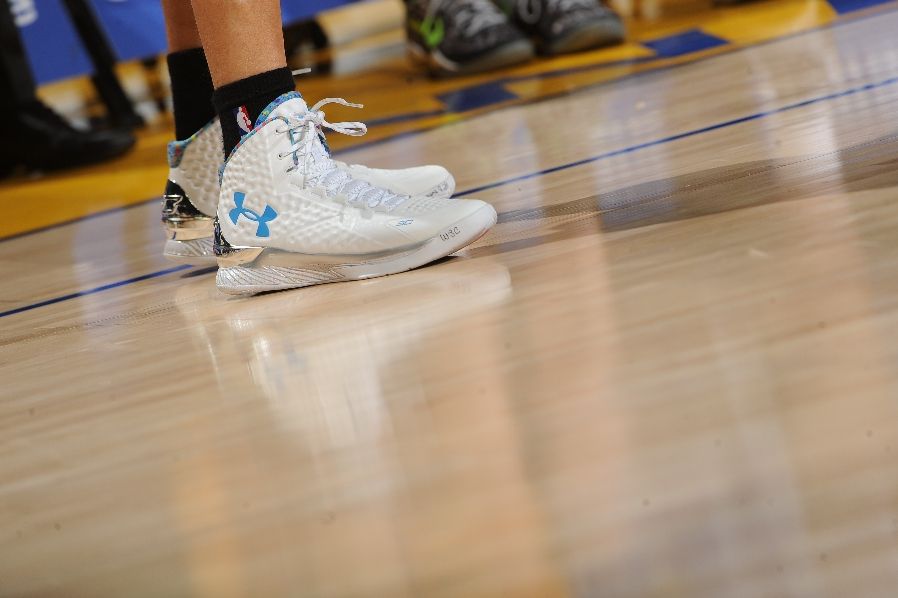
<point x="468" y="218"/>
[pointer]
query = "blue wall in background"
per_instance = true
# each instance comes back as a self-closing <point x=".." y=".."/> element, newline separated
<point x="135" y="28"/>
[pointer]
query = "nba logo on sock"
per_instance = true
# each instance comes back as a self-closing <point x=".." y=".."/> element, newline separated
<point x="243" y="120"/>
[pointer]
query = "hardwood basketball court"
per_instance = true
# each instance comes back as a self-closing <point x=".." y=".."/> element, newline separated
<point x="670" y="370"/>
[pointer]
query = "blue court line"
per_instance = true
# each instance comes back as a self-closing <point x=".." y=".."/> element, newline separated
<point x="93" y="291"/>
<point x="687" y="42"/>
<point x="400" y="118"/>
<point x="604" y="156"/>
<point x="850" y="6"/>
<point x="846" y="6"/>
<point x="687" y="134"/>
<point x="477" y="96"/>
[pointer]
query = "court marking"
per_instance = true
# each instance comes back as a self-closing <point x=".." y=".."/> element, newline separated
<point x="592" y="159"/>
<point x="94" y="290"/>
<point x="845" y="19"/>
<point x="679" y="136"/>
<point x="845" y="6"/>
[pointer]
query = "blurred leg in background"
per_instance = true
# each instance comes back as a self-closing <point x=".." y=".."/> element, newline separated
<point x="34" y="136"/>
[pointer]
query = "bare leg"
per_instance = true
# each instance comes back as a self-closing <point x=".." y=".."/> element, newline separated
<point x="241" y="37"/>
<point x="180" y="25"/>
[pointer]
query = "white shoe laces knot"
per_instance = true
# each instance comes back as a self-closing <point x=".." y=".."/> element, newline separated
<point x="318" y="168"/>
<point x="315" y="117"/>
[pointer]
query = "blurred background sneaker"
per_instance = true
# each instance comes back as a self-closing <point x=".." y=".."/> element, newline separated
<point x="454" y="37"/>
<point x="37" y="138"/>
<point x="561" y="26"/>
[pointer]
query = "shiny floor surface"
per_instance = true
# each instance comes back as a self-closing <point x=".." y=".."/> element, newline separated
<point x="670" y="370"/>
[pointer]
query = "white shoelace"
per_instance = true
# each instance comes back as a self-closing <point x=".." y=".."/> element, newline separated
<point x="473" y="15"/>
<point x="316" y="166"/>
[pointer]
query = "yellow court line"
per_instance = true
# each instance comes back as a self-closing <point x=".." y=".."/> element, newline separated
<point x="776" y="19"/>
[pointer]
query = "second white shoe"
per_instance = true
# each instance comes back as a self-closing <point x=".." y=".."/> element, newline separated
<point x="289" y="216"/>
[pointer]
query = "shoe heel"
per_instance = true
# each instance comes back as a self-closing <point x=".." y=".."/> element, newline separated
<point x="188" y="232"/>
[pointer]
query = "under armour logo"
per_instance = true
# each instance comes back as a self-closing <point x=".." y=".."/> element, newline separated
<point x="262" y="221"/>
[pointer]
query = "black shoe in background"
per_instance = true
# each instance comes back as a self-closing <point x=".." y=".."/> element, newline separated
<point x="39" y="139"/>
<point x="562" y="26"/>
<point x="454" y="37"/>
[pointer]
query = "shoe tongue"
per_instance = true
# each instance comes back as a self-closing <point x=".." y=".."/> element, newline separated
<point x="285" y="105"/>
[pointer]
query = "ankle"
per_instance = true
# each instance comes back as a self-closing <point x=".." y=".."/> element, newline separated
<point x="240" y="103"/>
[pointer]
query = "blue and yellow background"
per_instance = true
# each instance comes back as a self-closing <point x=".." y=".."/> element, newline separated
<point x="398" y="99"/>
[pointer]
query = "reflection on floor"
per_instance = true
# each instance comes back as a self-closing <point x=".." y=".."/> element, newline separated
<point x="669" y="371"/>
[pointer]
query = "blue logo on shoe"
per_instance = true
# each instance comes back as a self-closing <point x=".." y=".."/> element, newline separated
<point x="261" y="220"/>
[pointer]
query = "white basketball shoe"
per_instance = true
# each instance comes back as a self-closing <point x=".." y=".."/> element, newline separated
<point x="191" y="193"/>
<point x="289" y="216"/>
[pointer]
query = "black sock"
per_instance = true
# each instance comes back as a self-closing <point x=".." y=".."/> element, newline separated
<point x="244" y="100"/>
<point x="191" y="90"/>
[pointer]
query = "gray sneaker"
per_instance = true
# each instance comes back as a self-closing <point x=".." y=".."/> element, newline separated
<point x="562" y="26"/>
<point x="454" y="37"/>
